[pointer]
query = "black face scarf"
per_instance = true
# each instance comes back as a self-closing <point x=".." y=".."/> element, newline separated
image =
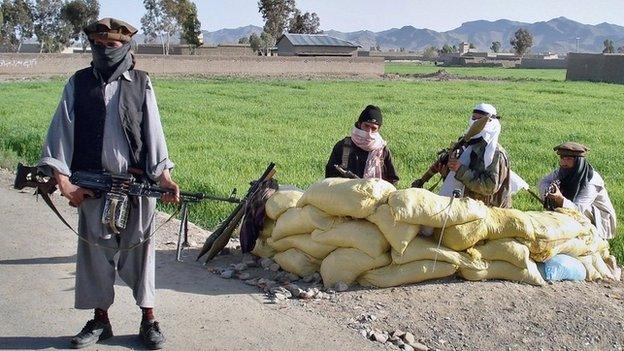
<point x="111" y="62"/>
<point x="576" y="178"/>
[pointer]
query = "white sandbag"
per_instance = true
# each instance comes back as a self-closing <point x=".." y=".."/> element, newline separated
<point x="398" y="234"/>
<point x="281" y="201"/>
<point x="303" y="243"/>
<point x="420" y="206"/>
<point x="341" y="197"/>
<point x="358" y="234"/>
<point x="346" y="265"/>
<point x="422" y="248"/>
<point x="409" y="273"/>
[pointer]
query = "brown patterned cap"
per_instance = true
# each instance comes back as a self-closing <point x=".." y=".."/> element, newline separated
<point x="571" y="148"/>
<point x="110" y="28"/>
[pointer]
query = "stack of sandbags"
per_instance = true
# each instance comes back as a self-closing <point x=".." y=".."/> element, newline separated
<point x="365" y="231"/>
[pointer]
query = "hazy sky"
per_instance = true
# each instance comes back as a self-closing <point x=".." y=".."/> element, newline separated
<point x="377" y="15"/>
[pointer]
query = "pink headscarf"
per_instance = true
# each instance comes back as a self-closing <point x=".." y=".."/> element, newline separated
<point x="374" y="144"/>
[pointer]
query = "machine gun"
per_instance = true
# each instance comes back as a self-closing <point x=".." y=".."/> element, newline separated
<point x="455" y="150"/>
<point x="220" y="237"/>
<point x="117" y="189"/>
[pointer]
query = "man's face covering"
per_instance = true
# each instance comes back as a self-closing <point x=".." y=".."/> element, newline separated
<point x="106" y="59"/>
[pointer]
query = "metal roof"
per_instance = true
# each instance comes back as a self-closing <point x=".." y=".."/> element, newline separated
<point x="315" y="40"/>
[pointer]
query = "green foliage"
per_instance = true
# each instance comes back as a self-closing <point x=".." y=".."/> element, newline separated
<point x="52" y="32"/>
<point x="79" y="13"/>
<point x="447" y="49"/>
<point x="255" y="42"/>
<point x="307" y="23"/>
<point x="276" y="15"/>
<point x="608" y="47"/>
<point x="191" y="28"/>
<point x="521" y="41"/>
<point x="17" y="23"/>
<point x="222" y="133"/>
<point x="430" y="53"/>
<point x="496" y="46"/>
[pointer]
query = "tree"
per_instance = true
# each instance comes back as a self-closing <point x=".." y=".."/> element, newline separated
<point x="191" y="28"/>
<point x="471" y="46"/>
<point x="496" y="46"/>
<point x="276" y="14"/>
<point x="79" y="13"/>
<point x="608" y="47"/>
<point x="430" y="53"/>
<point x="17" y="23"/>
<point x="267" y="41"/>
<point x="447" y="49"/>
<point x="151" y="22"/>
<point x="52" y="32"/>
<point x="308" y="23"/>
<point x="620" y="50"/>
<point x="243" y="40"/>
<point x="255" y="42"/>
<point x="521" y="41"/>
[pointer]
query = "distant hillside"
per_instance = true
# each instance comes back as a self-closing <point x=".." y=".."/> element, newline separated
<point x="230" y="36"/>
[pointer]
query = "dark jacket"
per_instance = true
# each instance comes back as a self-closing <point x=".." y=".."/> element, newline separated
<point x="357" y="162"/>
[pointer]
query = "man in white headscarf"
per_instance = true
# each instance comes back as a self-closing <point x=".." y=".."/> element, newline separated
<point x="364" y="153"/>
<point x="482" y="170"/>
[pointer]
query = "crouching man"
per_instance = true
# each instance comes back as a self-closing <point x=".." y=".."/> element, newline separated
<point x="364" y="153"/>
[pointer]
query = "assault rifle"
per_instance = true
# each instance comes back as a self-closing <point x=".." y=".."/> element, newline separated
<point x="117" y="188"/>
<point x="221" y="236"/>
<point x="455" y="150"/>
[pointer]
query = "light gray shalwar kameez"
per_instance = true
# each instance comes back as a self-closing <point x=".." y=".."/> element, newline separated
<point x="95" y="266"/>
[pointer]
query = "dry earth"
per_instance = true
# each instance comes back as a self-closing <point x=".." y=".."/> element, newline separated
<point x="201" y="310"/>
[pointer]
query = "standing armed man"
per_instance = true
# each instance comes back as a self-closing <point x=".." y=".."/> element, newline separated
<point x="108" y="120"/>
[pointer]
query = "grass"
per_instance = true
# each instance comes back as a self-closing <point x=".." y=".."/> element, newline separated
<point x="518" y="74"/>
<point x="223" y="132"/>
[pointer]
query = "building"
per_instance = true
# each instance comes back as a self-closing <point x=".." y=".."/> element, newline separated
<point x="314" y="45"/>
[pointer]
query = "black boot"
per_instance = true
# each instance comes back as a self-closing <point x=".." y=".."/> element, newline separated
<point x="92" y="332"/>
<point x="151" y="335"/>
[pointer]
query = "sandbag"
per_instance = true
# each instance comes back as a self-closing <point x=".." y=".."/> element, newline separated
<point x="422" y="248"/>
<point x="611" y="263"/>
<point x="267" y="228"/>
<point x="303" y="243"/>
<point x="556" y="225"/>
<point x="356" y="198"/>
<point x="281" y="201"/>
<point x="562" y="267"/>
<point x="462" y="236"/>
<point x="398" y="234"/>
<point x="508" y="250"/>
<point x="358" y="234"/>
<point x="292" y="222"/>
<point x="505" y="271"/>
<point x="413" y="272"/>
<point x="262" y="249"/>
<point x="508" y="223"/>
<point x="321" y="220"/>
<point x="297" y="262"/>
<point x="346" y="265"/>
<point x="596" y="268"/>
<point x="420" y="206"/>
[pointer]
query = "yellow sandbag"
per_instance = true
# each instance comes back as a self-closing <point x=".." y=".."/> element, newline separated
<point x="297" y="262"/>
<point x="505" y="271"/>
<point x="409" y="273"/>
<point x="262" y="249"/>
<point x="321" y="220"/>
<point x="508" y="250"/>
<point x="345" y="265"/>
<point x="292" y="222"/>
<point x="398" y="234"/>
<point x="356" y="198"/>
<point x="596" y="268"/>
<point x="420" y="206"/>
<point x="267" y="228"/>
<point x="422" y="248"/>
<point x="303" y="243"/>
<point x="508" y="223"/>
<point x="281" y="201"/>
<point x="551" y="225"/>
<point x="462" y="236"/>
<point x="358" y="234"/>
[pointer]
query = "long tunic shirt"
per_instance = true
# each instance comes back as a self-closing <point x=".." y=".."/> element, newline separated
<point x="95" y="265"/>
<point x="592" y="201"/>
<point x="357" y="162"/>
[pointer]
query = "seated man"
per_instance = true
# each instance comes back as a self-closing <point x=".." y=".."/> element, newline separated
<point x="364" y="153"/>
<point x="482" y="170"/>
<point x="579" y="187"/>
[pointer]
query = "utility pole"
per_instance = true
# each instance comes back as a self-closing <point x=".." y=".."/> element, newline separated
<point x="578" y="40"/>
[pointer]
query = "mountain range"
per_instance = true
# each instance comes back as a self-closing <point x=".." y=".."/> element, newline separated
<point x="558" y="35"/>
